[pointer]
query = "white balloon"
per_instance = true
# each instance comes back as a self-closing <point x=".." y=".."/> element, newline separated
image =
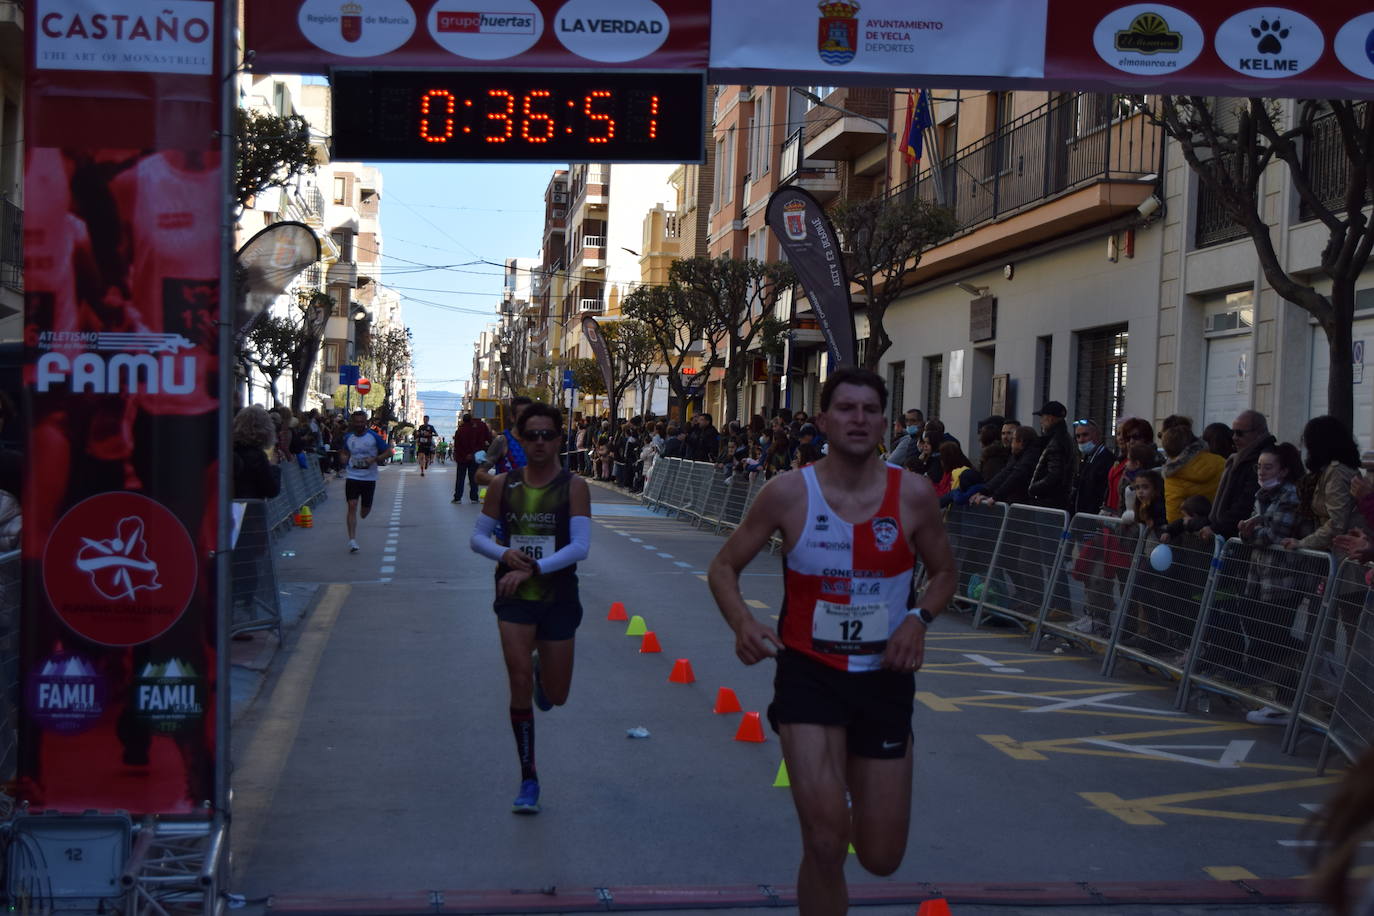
<point x="1162" y="557"/>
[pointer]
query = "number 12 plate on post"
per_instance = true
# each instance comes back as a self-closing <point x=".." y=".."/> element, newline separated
<point x="544" y="116"/>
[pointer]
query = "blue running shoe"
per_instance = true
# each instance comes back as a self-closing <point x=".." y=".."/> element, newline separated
<point x="541" y="699"/>
<point x="527" y="802"/>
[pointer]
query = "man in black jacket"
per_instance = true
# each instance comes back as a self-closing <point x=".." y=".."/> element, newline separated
<point x="1054" y="473"/>
<point x="1094" y="464"/>
<point x="1239" y="482"/>
<point x="702" y="441"/>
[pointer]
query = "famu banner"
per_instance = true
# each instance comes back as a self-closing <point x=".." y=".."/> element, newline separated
<point x="807" y="238"/>
<point x="123" y="235"/>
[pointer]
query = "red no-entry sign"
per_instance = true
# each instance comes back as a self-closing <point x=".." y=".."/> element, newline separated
<point x="363" y="386"/>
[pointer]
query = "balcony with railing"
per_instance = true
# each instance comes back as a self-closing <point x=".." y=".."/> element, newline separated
<point x="1074" y="162"/>
<point x="862" y="125"/>
<point x="591" y="305"/>
<point x="1213" y="225"/>
<point x="820" y="178"/>
<point x="11" y="245"/>
<point x="1324" y="163"/>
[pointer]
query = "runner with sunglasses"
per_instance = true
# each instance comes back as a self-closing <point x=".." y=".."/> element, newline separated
<point x="536" y="524"/>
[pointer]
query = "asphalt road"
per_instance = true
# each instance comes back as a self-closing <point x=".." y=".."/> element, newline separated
<point x="378" y="758"/>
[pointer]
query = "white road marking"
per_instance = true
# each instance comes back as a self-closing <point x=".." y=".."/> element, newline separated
<point x="682" y="564"/>
<point x="666" y="556"/>
<point x="1057" y="704"/>
<point x="635" y="540"/>
<point x="648" y="546"/>
<point x="1232" y="754"/>
<point x="388" y="569"/>
<point x="995" y="667"/>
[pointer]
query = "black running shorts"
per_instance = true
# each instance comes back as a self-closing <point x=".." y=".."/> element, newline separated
<point x="873" y="707"/>
<point x="552" y="620"/>
<point x="365" y="490"/>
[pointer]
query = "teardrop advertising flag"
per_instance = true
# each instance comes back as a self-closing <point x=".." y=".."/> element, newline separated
<point x="808" y="240"/>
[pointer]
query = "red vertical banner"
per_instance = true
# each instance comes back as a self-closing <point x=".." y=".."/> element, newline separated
<point x="123" y="237"/>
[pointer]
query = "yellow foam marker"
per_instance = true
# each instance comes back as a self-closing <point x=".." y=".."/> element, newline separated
<point x="636" y="627"/>
<point x="782" y="782"/>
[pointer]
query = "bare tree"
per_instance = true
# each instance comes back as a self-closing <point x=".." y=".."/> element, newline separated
<point x="268" y="348"/>
<point x="676" y="321"/>
<point x="1230" y="144"/>
<point x="633" y="353"/>
<point x="388" y="354"/>
<point x="588" y="378"/>
<point x="739" y="295"/>
<point x="883" y="242"/>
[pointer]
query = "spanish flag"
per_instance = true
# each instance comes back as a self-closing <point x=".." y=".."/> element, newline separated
<point x="918" y="118"/>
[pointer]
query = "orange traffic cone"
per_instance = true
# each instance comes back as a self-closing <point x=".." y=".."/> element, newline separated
<point x="307" y="517"/>
<point x="617" y="611"/>
<point x="649" y="643"/>
<point x="750" y="729"/>
<point x="937" y="907"/>
<point x="726" y="701"/>
<point x="682" y="672"/>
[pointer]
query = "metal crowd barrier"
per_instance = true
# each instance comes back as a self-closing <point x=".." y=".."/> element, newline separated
<point x="256" y="603"/>
<point x="1345" y="659"/>
<point x="1024" y="572"/>
<point x="1268" y="627"/>
<point x="300" y="486"/>
<point x="1161" y="603"/>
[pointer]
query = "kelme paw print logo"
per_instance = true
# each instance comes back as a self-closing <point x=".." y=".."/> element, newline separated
<point x="1269" y="35"/>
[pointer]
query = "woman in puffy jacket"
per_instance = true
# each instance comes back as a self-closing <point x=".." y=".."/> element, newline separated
<point x="1333" y="461"/>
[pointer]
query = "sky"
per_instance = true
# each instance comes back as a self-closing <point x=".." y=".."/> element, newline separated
<point x="437" y="220"/>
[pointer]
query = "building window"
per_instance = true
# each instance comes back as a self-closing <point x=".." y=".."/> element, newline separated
<point x="819" y="92"/>
<point x="340" y="189"/>
<point x="727" y="167"/>
<point x="717" y="193"/>
<point x="1044" y="359"/>
<point x="344" y="239"/>
<point x="279" y="106"/>
<point x="331" y="356"/>
<point x="1101" y="393"/>
<point x="935" y="381"/>
<point x="896" y="385"/>
<point x="765" y="128"/>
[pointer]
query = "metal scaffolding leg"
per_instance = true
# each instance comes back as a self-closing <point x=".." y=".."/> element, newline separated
<point x="176" y="868"/>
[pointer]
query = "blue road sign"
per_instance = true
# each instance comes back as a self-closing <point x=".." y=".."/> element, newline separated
<point x="349" y="375"/>
<point x="568" y="380"/>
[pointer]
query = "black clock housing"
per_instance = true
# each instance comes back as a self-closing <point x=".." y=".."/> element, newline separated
<point x="493" y="116"/>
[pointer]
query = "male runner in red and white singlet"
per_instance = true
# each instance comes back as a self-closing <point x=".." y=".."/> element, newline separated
<point x="850" y="636"/>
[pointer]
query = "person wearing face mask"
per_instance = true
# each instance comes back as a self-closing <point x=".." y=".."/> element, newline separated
<point x="1272" y="582"/>
<point x="1094" y="466"/>
<point x="905" y="449"/>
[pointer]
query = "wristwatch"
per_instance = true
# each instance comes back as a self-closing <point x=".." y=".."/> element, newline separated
<point x="927" y="617"/>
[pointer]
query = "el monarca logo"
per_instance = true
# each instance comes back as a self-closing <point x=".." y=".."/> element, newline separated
<point x="1149" y="34"/>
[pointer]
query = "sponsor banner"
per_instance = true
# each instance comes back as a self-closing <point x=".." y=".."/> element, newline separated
<point x="1221" y="47"/>
<point x="122" y="247"/>
<point x="148" y="36"/>
<point x="897" y="37"/>
<point x="808" y="240"/>
<point x="592" y="331"/>
<point x="312" y="36"/>
<point x="1209" y="47"/>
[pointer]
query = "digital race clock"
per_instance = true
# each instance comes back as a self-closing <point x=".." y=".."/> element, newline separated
<point x="547" y="116"/>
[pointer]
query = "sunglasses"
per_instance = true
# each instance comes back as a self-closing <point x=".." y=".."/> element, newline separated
<point x="541" y="435"/>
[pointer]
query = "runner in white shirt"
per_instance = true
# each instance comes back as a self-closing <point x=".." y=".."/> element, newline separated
<point x="362" y="449"/>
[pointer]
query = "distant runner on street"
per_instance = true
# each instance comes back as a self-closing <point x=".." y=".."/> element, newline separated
<point x="425" y="437"/>
<point x="850" y="636"/>
<point x="362" y="449"/>
<point x="544" y="518"/>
